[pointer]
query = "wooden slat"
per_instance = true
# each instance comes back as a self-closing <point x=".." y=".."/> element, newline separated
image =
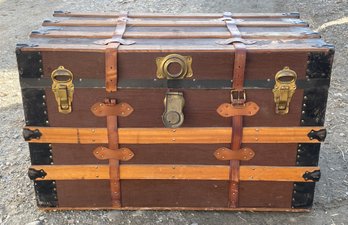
<point x="181" y="209"/>
<point x="186" y="15"/>
<point x="174" y="172"/>
<point x="175" y="136"/>
<point x="267" y="48"/>
<point x="158" y="23"/>
<point x="174" y="35"/>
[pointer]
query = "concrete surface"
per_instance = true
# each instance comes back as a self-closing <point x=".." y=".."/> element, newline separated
<point x="17" y="203"/>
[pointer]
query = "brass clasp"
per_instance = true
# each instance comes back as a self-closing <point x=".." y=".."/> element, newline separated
<point x="173" y="116"/>
<point x="174" y="66"/>
<point x="63" y="88"/>
<point x="284" y="89"/>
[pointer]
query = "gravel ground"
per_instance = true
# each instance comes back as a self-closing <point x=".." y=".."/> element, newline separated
<point x="17" y="203"/>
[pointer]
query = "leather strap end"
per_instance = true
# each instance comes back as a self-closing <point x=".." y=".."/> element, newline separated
<point x="243" y="154"/>
<point x="229" y="110"/>
<point x="101" y="109"/>
<point x="122" y="154"/>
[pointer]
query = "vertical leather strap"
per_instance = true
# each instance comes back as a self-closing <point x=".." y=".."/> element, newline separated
<point x="114" y="171"/>
<point x="111" y="54"/>
<point x="237" y="121"/>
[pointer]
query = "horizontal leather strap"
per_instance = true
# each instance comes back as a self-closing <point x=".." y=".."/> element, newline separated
<point x="243" y="154"/>
<point x="228" y="110"/>
<point x="121" y="109"/>
<point x="122" y="154"/>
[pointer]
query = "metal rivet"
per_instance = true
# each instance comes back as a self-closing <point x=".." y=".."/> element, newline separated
<point x="46" y="121"/>
<point x="80" y="79"/>
<point x="302" y="121"/>
<point x="304" y="105"/>
<point x="268" y="80"/>
<point x="173" y="139"/>
<point x="305" y="97"/>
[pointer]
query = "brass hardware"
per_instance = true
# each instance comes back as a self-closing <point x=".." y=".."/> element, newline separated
<point x="174" y="103"/>
<point x="238" y="97"/>
<point x="284" y="89"/>
<point x="63" y="89"/>
<point x="163" y="64"/>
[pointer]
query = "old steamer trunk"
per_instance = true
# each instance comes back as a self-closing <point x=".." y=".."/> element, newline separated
<point x="156" y="111"/>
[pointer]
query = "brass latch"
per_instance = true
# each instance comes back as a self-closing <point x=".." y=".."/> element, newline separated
<point x="63" y="88"/>
<point x="174" y="103"/>
<point x="174" y="66"/>
<point x="284" y="89"/>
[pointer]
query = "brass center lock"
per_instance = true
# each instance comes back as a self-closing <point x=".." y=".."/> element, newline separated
<point x="174" y="66"/>
<point x="173" y="116"/>
<point x="63" y="89"/>
<point x="284" y="89"/>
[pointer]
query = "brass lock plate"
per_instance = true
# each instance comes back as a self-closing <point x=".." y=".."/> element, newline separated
<point x="173" y="116"/>
<point x="284" y="89"/>
<point x="174" y="66"/>
<point x="63" y="89"/>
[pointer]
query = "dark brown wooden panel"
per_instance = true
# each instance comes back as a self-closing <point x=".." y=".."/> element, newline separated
<point x="265" y="194"/>
<point x="72" y="154"/>
<point x="174" y="193"/>
<point x="200" y="108"/>
<point x="194" y="154"/>
<point x="83" y="193"/>
<point x="81" y="64"/>
<point x="205" y="65"/>
<point x="272" y="155"/>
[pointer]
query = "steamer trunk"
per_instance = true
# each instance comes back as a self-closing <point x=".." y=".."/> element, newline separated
<point x="138" y="111"/>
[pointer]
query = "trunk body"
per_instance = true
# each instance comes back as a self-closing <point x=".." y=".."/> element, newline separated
<point x="115" y="59"/>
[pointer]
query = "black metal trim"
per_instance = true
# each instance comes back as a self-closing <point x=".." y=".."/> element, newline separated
<point x="308" y="154"/>
<point x="177" y="84"/>
<point x="35" y="109"/>
<point x="40" y="154"/>
<point x="314" y="106"/>
<point x="31" y="134"/>
<point x="319" y="135"/>
<point x="29" y="63"/>
<point x="303" y="195"/>
<point x="46" y="193"/>
<point x="320" y="64"/>
<point x="312" y="176"/>
<point x="34" y="174"/>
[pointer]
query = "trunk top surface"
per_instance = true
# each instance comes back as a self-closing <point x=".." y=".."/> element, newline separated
<point x="166" y="32"/>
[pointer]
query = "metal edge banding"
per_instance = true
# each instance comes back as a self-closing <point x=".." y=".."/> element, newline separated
<point x="40" y="154"/>
<point x="178" y="84"/>
<point x="35" y="109"/>
<point x="319" y="64"/>
<point x="29" y="63"/>
<point x="303" y="195"/>
<point x="46" y="193"/>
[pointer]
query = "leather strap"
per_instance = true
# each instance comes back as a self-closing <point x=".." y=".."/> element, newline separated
<point x="237" y="121"/>
<point x="111" y="53"/>
<point x="114" y="164"/>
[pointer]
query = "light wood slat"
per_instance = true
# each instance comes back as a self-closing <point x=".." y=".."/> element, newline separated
<point x="174" y="35"/>
<point x="175" y="136"/>
<point x="186" y="15"/>
<point x="267" y="48"/>
<point x="174" y="172"/>
<point x="158" y="23"/>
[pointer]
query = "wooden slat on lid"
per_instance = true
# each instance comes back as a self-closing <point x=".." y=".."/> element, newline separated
<point x="186" y="15"/>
